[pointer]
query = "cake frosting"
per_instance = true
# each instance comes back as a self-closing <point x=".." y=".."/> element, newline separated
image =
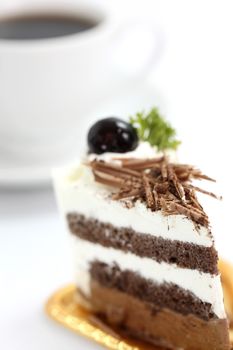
<point x="144" y="150"/>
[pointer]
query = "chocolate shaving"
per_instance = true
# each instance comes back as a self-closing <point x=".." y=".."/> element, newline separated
<point x="126" y="194"/>
<point x="197" y="174"/>
<point x="114" y="169"/>
<point x="211" y="194"/>
<point x="140" y="164"/>
<point x="109" y="181"/>
<point x="148" y="191"/>
<point x="162" y="185"/>
<point x="178" y="186"/>
<point x="190" y="213"/>
<point x="156" y="199"/>
<point x="162" y="188"/>
<point x="164" y="170"/>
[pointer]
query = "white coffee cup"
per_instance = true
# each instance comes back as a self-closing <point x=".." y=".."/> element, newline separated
<point x="48" y="86"/>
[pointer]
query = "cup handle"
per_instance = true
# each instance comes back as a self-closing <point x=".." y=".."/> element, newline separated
<point x="137" y="46"/>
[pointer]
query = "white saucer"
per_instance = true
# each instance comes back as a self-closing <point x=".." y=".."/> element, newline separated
<point x="133" y="97"/>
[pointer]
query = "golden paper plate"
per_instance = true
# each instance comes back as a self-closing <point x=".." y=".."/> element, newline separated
<point x="63" y="308"/>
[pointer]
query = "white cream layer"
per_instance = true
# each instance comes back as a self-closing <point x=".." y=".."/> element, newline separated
<point x="144" y="150"/>
<point x="203" y="285"/>
<point x="78" y="192"/>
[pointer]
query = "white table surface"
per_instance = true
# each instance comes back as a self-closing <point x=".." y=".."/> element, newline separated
<point x="196" y="76"/>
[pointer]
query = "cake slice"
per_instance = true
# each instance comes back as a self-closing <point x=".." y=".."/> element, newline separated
<point x="145" y="259"/>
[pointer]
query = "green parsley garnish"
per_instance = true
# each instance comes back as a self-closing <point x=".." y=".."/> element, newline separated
<point x="152" y="127"/>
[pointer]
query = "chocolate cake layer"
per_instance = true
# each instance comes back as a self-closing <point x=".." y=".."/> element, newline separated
<point x="165" y="328"/>
<point x="186" y="255"/>
<point x="165" y="295"/>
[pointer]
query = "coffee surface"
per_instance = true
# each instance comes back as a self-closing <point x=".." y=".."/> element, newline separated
<point x="43" y="26"/>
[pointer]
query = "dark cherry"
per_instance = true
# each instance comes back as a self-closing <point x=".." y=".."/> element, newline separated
<point x="112" y="135"/>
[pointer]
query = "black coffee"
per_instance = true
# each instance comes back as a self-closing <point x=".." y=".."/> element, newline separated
<point x="43" y="26"/>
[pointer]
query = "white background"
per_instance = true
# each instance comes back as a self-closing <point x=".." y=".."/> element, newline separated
<point x="195" y="75"/>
